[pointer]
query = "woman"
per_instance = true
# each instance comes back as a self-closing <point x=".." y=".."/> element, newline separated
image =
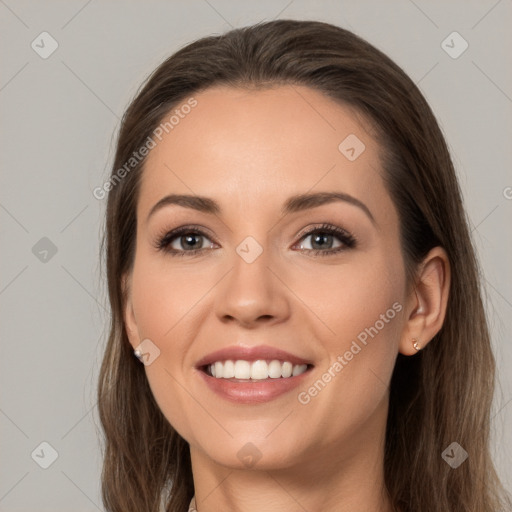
<point x="289" y="259"/>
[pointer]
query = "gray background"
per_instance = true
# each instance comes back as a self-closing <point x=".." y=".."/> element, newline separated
<point x="59" y="116"/>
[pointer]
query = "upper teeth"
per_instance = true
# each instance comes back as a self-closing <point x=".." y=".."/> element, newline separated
<point x="259" y="369"/>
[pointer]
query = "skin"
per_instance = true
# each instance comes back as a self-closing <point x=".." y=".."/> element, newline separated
<point x="250" y="150"/>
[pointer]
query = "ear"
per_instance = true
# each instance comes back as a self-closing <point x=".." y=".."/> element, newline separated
<point x="426" y="308"/>
<point x="128" y="313"/>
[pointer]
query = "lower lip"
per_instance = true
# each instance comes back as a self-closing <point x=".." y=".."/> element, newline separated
<point x="259" y="391"/>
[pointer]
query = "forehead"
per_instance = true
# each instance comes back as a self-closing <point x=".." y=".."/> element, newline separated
<point x="254" y="147"/>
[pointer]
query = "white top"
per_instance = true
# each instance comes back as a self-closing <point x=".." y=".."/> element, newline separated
<point x="192" y="506"/>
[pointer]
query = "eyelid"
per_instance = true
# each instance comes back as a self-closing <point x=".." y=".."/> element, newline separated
<point x="325" y="226"/>
<point x="184" y="228"/>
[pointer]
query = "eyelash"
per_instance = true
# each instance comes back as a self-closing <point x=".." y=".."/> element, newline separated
<point x="348" y="240"/>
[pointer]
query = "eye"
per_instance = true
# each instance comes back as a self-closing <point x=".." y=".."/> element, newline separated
<point x="323" y="240"/>
<point x="183" y="241"/>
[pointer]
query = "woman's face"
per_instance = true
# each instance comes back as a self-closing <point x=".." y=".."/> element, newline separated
<point x="333" y="301"/>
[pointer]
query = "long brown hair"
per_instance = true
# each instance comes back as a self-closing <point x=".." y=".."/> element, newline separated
<point x="441" y="395"/>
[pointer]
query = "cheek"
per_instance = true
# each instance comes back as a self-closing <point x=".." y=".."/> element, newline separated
<point x="362" y="305"/>
<point x="368" y="303"/>
<point x="165" y="303"/>
<point x="164" y="297"/>
<point x="351" y="297"/>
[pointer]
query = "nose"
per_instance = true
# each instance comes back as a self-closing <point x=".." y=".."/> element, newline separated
<point x="252" y="294"/>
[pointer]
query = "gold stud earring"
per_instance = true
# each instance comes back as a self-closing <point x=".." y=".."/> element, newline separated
<point x="416" y="344"/>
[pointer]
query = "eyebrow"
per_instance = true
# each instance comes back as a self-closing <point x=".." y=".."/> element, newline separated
<point x="293" y="204"/>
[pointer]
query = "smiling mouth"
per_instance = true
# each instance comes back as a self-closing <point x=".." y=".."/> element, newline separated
<point x="254" y="371"/>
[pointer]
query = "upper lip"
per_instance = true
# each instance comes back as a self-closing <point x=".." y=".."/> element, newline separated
<point x="250" y="354"/>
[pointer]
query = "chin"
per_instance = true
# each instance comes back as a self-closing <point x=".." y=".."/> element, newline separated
<point x="254" y="453"/>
